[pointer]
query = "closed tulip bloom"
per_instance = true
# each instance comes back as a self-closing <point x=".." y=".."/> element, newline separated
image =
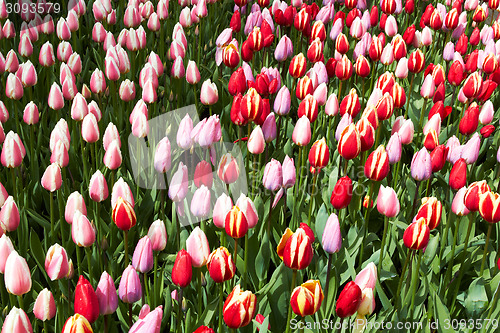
<point x="200" y="203"/>
<point x="458" y="174"/>
<point x="256" y="142"/>
<point x="192" y="73"/>
<point x="394" y="148"/>
<point x="222" y="206"/>
<point x="474" y="190"/>
<point x="77" y="323"/>
<point x="182" y="271"/>
<point x="302" y="132"/>
<point x="377" y="164"/>
<point x="387" y="202"/>
<point x="6" y="248"/>
<point x="209" y="94"/>
<point x="98" y="188"/>
<point x="82" y="231"/>
<point x="13" y="151"/>
<point x="342" y="193"/>
<point x="56" y="262"/>
<point x="349" y="300"/>
<point x="178" y="187"/>
<point x="332" y="238"/>
<point x="17" y="275"/>
<point x="296" y="249"/>
<point x="46" y="56"/>
<point x="106" y="294"/>
<point x="269" y="128"/>
<point x="52" y="178"/>
<point x="349" y="145"/>
<point x="239" y="308"/>
<point x="470" y="151"/>
<point x="90" y="128"/>
<point x="206" y="329"/>
<point x="31" y="115"/>
<point x="130" y="290"/>
<point x="113" y="156"/>
<point x="123" y="214"/>
<point x="273" y="175"/>
<point x="228" y="170"/>
<point x="430" y="209"/>
<point x="14" y="87"/>
<point x="220" y="265"/>
<point x="17" y="321"/>
<point x="55" y="99"/>
<point x="247" y="207"/>
<point x="157" y="235"/>
<point x="86" y="302"/>
<point x="472" y="85"/>
<point x="149" y="323"/>
<point x="236" y="224"/>
<point x="45" y="306"/>
<point x="198" y="248"/>
<point x="142" y="259"/>
<point x="203" y="174"/>
<point x="289" y="172"/>
<point x="97" y="82"/>
<point x="421" y="167"/>
<point x="282" y="101"/>
<point x="9" y="215"/>
<point x="458" y="205"/>
<point x="489" y="203"/>
<point x="162" y="159"/>
<point x="428" y="87"/>
<point x="319" y="155"/>
<point x="284" y="49"/>
<point x="184" y="133"/>
<point x="416" y="236"/>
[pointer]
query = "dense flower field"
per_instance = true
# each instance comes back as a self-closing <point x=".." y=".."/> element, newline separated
<point x="212" y="166"/>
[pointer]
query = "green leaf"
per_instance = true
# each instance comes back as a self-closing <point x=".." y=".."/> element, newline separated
<point x="320" y="221"/>
<point x="477" y="299"/>
<point x="442" y="315"/>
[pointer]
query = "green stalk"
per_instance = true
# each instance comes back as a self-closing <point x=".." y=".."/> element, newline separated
<point x="125" y="244"/>
<point x="289" y="317"/>
<point x="155" y="280"/>
<point x="409" y="96"/>
<point x="88" y="254"/>
<point x="221" y="305"/>
<point x="200" y="296"/>
<point x="146" y="289"/>
<point x="328" y="270"/>
<point x="20" y="300"/>
<point x="401" y="278"/>
<point x="414" y="280"/>
<point x="485" y="252"/>
<point x="312" y="198"/>
<point x="452" y="259"/>
<point x="52" y="232"/>
<point x="84" y="159"/>
<point x="365" y="225"/>
<point x="78" y="260"/>
<point x="246" y="260"/>
<point x="445" y="235"/>
<point x="382" y="247"/>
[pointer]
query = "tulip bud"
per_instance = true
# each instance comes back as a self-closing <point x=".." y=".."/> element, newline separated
<point x="86" y="302"/>
<point x="45" y="306"/>
<point x="421" y="167"/>
<point x="17" y="321"/>
<point x="349" y="145"/>
<point x="142" y="260"/>
<point x="123" y="214"/>
<point x="220" y="265"/>
<point x="458" y="174"/>
<point x="332" y="238"/>
<point x="77" y="323"/>
<point x="296" y="249"/>
<point x="56" y="262"/>
<point x="228" y="170"/>
<point x="236" y="224"/>
<point x="349" y="300"/>
<point x="106" y="295"/>
<point x="430" y="210"/>
<point x="17" y="275"/>
<point x="182" y="271"/>
<point x="239" y="308"/>
<point x="306" y="299"/>
<point x="130" y="290"/>
<point x="416" y="236"/>
<point x="273" y="175"/>
<point x="489" y="202"/>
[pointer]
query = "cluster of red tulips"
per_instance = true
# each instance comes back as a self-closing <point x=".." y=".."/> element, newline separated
<point x="253" y="208"/>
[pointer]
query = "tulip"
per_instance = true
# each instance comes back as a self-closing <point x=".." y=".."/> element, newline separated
<point x="421" y="167"/>
<point x="387" y="202"/>
<point x="236" y="224"/>
<point x="86" y="302"/>
<point x="56" y="262"/>
<point x="349" y="145"/>
<point x="17" y="321"/>
<point x="203" y="329"/>
<point x="142" y="260"/>
<point x="269" y="128"/>
<point x="349" y="300"/>
<point x="182" y="271"/>
<point x="332" y="238"/>
<point x="184" y="140"/>
<point x="319" y="154"/>
<point x="52" y="178"/>
<point x="197" y="247"/>
<point x="82" y="231"/>
<point x="282" y="101"/>
<point x="470" y="150"/>
<point x="228" y="170"/>
<point x="123" y="214"/>
<point x="106" y="295"/>
<point x="239" y="308"/>
<point x="416" y="235"/>
<point x="273" y="175"/>
<point x="295" y="249"/>
<point x="13" y="151"/>
<point x="17" y="275"/>
<point x="46" y="56"/>
<point x="77" y="323"/>
<point x="489" y="202"/>
<point x="220" y="265"/>
<point x="458" y="174"/>
<point x="98" y="188"/>
<point x="203" y="174"/>
<point x="6" y="248"/>
<point x="256" y="142"/>
<point x="192" y="73"/>
<point x="209" y="94"/>
<point x="430" y="210"/>
<point x="178" y="187"/>
<point x="130" y="290"/>
<point x="150" y="322"/>
<point x="14" y="87"/>
<point x="45" y="306"/>
<point x="474" y="191"/>
<point x="458" y="205"/>
<point x="222" y="206"/>
<point x="200" y="203"/>
<point x="9" y="215"/>
<point x="31" y="115"/>
<point x="302" y="132"/>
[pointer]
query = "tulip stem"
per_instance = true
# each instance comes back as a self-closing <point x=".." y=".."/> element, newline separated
<point x="88" y="254"/>
<point x="79" y="260"/>
<point x="221" y="304"/>
<point x="155" y="279"/>
<point x="493" y="302"/>
<point x="289" y="317"/>
<point x="365" y="223"/>
<point x="485" y="252"/>
<point x="452" y="258"/>
<point x="130" y="315"/>
<point x="408" y="98"/>
<point x="245" y="259"/>
<point x="84" y="162"/>
<point x="105" y="323"/>
<point x="414" y="280"/>
<point x="328" y="271"/>
<point x="125" y="244"/>
<point x="382" y="247"/>
<point x="235" y="252"/>
<point x="415" y="199"/>
<point x="200" y="296"/>
<point x="401" y="277"/>
<point x="421" y="120"/>
<point x="52" y="232"/>
<point x="464" y="257"/>
<point x="311" y="201"/>
<point x="46" y="326"/>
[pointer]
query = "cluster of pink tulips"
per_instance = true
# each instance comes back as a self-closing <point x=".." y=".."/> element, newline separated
<point x="208" y="166"/>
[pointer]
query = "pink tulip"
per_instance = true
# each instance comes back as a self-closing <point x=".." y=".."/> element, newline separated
<point x="289" y="172"/>
<point x="162" y="9"/>
<point x="6" y="248"/>
<point x="13" y="151"/>
<point x="95" y="110"/>
<point x="55" y="100"/>
<point x="111" y="69"/>
<point x="130" y="290"/>
<point x="394" y="148"/>
<point x="387" y="202"/>
<point x="332" y="105"/>
<point x="110" y="134"/>
<point x="62" y="29"/>
<point x="158" y="235"/>
<point x="426" y="36"/>
<point x="4" y="113"/>
<point x="121" y="189"/>
<point x="72" y="20"/>
<point x="222" y="206"/>
<point x="142" y="259"/>
<point x="3" y="195"/>
<point x="421" y="168"/>
<point x="404" y="128"/>
<point x="17" y="321"/>
<point x="154" y="23"/>
<point x="69" y="89"/>
<point x="282" y="101"/>
<point x="428" y="87"/>
<point x="98" y="32"/>
<point x="256" y="142"/>
<point x="284" y="49"/>
<point x="320" y="93"/>
<point x="64" y="51"/>
<point x="132" y="41"/>
<point x="247" y="206"/>
<point x="109" y="41"/>
<point x="178" y="187"/>
<point x="29" y="76"/>
<point x="391" y="26"/>
<point x="177" y="70"/>
<point x="332" y="238"/>
<point x="228" y="170"/>
<point x="82" y="230"/>
<point x="97" y="82"/>
<point x="273" y="175"/>
<point x="48" y="25"/>
<point x="151" y="323"/>
<point x="60" y="155"/>
<point x="52" y="179"/>
<point x="45" y="306"/>
<point x="106" y="295"/>
<point x="401" y="71"/>
<point x="140" y="125"/>
<point x="184" y="140"/>
<point x="433" y="124"/>
<point x="90" y="128"/>
<point x="200" y="203"/>
<point x="302" y="132"/>
<point x="113" y="156"/>
<point x="269" y="128"/>
<point x="9" y="215"/>
<point x="197" y="247"/>
<point x="458" y="205"/>
<point x="207" y="131"/>
<point x="470" y="151"/>
<point x="127" y="90"/>
<point x="75" y="63"/>
<point x="74" y="203"/>
<point x="192" y="73"/>
<point x="79" y="108"/>
<point x="56" y="262"/>
<point x="11" y="62"/>
<point x="487" y="112"/>
<point x="17" y="275"/>
<point x="98" y="188"/>
<point x="132" y="17"/>
<point x="14" y="87"/>
<point x="209" y="94"/>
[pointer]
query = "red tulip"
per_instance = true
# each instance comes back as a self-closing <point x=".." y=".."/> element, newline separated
<point x="319" y="155"/>
<point x="182" y="272"/>
<point x="416" y="236"/>
<point x="342" y="193"/>
<point x="239" y="308"/>
<point x="236" y="224"/>
<point x="430" y="209"/>
<point x="458" y="174"/>
<point x="220" y="265"/>
<point x="86" y="302"/>
<point x="349" y="300"/>
<point x="489" y="203"/>
<point x="474" y="190"/>
<point x="377" y="164"/>
<point x="123" y="214"/>
<point x="349" y="145"/>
